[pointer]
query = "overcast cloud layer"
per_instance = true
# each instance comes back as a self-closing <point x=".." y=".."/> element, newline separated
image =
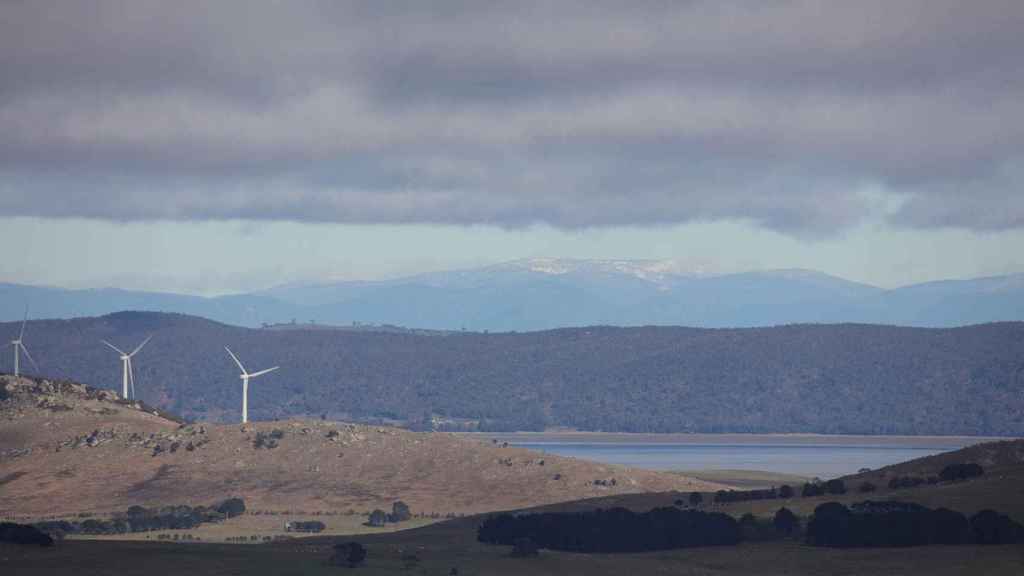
<point x="574" y="114"/>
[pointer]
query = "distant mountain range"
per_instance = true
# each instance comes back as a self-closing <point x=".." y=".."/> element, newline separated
<point x="548" y="293"/>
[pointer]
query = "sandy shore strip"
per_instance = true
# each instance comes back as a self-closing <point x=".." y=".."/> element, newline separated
<point x="576" y="437"/>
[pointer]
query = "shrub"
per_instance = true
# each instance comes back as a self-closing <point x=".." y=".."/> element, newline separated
<point x="696" y="498"/>
<point x="314" y="526"/>
<point x="265" y="440"/>
<point x="866" y="487"/>
<point x="785" y="491"/>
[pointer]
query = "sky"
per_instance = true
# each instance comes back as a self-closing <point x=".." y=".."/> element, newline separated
<point x="219" y="147"/>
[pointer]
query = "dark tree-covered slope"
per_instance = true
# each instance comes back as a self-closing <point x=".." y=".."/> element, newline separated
<point x="803" y="378"/>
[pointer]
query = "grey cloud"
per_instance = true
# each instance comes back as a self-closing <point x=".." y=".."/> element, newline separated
<point x="574" y="114"/>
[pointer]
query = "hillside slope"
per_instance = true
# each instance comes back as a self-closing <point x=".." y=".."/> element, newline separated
<point x="811" y="378"/>
<point x="66" y="449"/>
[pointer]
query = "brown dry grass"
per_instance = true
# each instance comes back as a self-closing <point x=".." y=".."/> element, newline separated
<point x="318" y="466"/>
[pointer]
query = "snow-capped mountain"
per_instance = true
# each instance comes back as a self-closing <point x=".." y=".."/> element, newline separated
<point x="651" y="270"/>
<point x="542" y="293"/>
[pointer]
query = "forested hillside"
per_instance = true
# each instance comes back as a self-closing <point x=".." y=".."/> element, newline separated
<point x="807" y="378"/>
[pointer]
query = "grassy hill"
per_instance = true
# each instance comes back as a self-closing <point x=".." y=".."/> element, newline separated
<point x="804" y="378"/>
<point x="67" y="449"/>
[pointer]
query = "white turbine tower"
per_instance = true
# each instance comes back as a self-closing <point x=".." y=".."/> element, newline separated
<point x="128" y="376"/>
<point x="245" y="383"/>
<point x="19" y="347"/>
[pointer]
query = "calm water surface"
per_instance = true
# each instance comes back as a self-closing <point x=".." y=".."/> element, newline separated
<point x="822" y="460"/>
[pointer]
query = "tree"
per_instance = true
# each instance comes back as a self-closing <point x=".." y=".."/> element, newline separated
<point x="957" y="472"/>
<point x="991" y="527"/>
<point x="750" y="528"/>
<point x="835" y="486"/>
<point x="785" y="491"/>
<point x="786" y="522"/>
<point x="232" y="507"/>
<point x="812" y="489"/>
<point x="399" y="512"/>
<point x="696" y="498"/>
<point x="378" y="518"/>
<point x="830" y="525"/>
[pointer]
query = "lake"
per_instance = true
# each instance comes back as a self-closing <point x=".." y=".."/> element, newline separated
<point x="824" y="457"/>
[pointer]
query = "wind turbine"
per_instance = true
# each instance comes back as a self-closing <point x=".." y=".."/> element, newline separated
<point x="19" y="347"/>
<point x="126" y="360"/>
<point x="245" y="383"/>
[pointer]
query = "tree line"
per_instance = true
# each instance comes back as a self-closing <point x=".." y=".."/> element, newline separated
<point x="899" y="524"/>
<point x="140" y="519"/>
<point x="613" y="530"/>
<point x="861" y="525"/>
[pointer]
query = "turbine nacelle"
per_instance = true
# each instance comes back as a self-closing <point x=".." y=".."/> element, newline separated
<point x="19" y="347"/>
<point x="128" y="376"/>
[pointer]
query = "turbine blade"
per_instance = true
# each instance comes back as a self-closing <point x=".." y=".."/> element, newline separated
<point x="24" y="320"/>
<point x="235" y="358"/>
<point x="29" y="356"/>
<point x="131" y="377"/>
<point x="116" y="349"/>
<point x="139" y="347"/>
<point x="261" y="372"/>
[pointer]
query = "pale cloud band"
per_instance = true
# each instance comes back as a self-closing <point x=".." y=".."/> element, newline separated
<point x="571" y="114"/>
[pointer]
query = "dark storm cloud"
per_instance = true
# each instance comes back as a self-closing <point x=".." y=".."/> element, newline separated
<point x="575" y="114"/>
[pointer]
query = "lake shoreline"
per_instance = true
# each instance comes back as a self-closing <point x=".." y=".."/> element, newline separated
<point x="795" y="439"/>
